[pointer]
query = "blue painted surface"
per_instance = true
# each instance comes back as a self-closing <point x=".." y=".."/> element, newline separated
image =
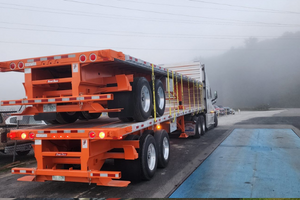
<point x="250" y="163"/>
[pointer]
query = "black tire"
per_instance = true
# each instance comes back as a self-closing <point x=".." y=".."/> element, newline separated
<point x="148" y="146"/>
<point x="51" y="121"/>
<point x="66" y="117"/>
<point x="163" y="148"/>
<point x="216" y="120"/>
<point x="133" y="170"/>
<point x="85" y="115"/>
<point x="203" y="126"/>
<point x="160" y="98"/>
<point x="130" y="169"/>
<point x="23" y="153"/>
<point x="142" y="99"/>
<point x="126" y="119"/>
<point x="198" y="128"/>
<point x="132" y="137"/>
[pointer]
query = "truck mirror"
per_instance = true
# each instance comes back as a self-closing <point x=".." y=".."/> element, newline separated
<point x="216" y="95"/>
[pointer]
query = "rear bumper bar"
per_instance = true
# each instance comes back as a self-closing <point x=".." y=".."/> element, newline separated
<point x="101" y="178"/>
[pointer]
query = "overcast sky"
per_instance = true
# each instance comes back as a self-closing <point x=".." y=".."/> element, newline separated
<point x="158" y="31"/>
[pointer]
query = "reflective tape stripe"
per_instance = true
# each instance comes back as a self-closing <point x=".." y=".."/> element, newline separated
<point x="95" y="97"/>
<point x="29" y="61"/>
<point x="57" y="99"/>
<point x="80" y="98"/>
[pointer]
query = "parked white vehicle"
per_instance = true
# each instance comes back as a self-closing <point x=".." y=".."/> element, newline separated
<point x="25" y="120"/>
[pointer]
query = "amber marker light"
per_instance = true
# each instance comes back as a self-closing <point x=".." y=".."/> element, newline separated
<point x="101" y="135"/>
<point x="158" y="126"/>
<point x="23" y="136"/>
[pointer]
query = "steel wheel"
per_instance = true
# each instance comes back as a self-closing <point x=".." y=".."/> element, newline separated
<point x="161" y="98"/>
<point x="163" y="148"/>
<point x="166" y="148"/>
<point x="145" y="98"/>
<point x="148" y="155"/>
<point x="151" y="156"/>
<point x="142" y="99"/>
<point x="198" y="128"/>
<point x="203" y="125"/>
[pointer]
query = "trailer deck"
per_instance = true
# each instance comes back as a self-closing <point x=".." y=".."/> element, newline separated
<point x="250" y="163"/>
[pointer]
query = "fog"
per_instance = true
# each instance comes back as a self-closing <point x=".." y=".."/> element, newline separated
<point x="246" y="72"/>
<point x="261" y="73"/>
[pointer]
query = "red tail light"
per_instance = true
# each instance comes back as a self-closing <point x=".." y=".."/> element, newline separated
<point x="93" y="57"/>
<point x="31" y="135"/>
<point x="12" y="66"/>
<point x="82" y="58"/>
<point x="92" y="134"/>
<point x="20" y="65"/>
<point x="12" y="135"/>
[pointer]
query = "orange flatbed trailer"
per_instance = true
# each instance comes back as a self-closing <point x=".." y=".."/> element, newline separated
<point x="86" y="82"/>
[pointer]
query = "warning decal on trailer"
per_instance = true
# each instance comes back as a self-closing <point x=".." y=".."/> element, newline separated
<point x="84" y="144"/>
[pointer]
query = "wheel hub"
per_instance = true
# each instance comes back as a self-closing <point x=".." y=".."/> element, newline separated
<point x="145" y="98"/>
<point x="166" y="148"/>
<point x="151" y="157"/>
<point x="161" y="98"/>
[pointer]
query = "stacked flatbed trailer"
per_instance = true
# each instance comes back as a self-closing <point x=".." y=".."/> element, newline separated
<point x="133" y="127"/>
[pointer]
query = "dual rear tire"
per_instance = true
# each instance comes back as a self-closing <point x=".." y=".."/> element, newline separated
<point x="142" y="100"/>
<point x="154" y="152"/>
<point x="141" y="104"/>
<point x="200" y="127"/>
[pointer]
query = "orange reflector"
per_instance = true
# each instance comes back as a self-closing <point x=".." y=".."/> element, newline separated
<point x="23" y="136"/>
<point x="101" y="135"/>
